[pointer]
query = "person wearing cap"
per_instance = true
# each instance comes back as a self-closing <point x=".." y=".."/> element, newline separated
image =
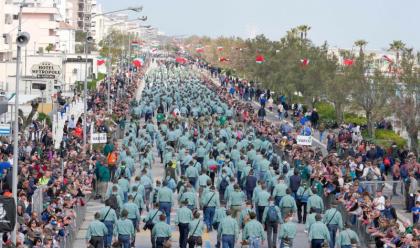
<point x="210" y="202"/>
<point x="109" y="218"/>
<point x="253" y="232"/>
<point x="96" y="232"/>
<point x="272" y="222"/>
<point x="287" y="204"/>
<point x="315" y="202"/>
<point x="124" y="230"/>
<point x="287" y="232"/>
<point x="161" y="232"/>
<point x="302" y="196"/>
<point x="318" y="233"/>
<point x="279" y="190"/>
<point x="334" y="221"/>
<point x="347" y="237"/>
<point x="228" y="231"/>
<point x="183" y="218"/>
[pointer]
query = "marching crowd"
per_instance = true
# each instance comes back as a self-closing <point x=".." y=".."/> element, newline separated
<point x="53" y="184"/>
<point x="237" y="174"/>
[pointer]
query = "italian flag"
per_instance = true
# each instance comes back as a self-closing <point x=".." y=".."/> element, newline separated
<point x="259" y="59"/>
<point x="138" y="62"/>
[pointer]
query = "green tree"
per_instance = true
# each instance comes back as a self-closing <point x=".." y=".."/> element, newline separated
<point x="406" y="101"/>
<point x="371" y="91"/>
<point x="396" y="46"/>
<point x="361" y="44"/>
<point x="49" y="48"/>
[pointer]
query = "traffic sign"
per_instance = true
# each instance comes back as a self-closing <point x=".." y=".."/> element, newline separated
<point x="98" y="138"/>
<point x="46" y="70"/>
<point x="4" y="129"/>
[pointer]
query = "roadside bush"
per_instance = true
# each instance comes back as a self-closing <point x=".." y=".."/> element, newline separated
<point x="355" y="119"/>
<point x="385" y="138"/>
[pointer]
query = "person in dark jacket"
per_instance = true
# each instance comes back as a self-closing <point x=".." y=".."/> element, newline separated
<point x="314" y="118"/>
<point x="294" y="182"/>
<point x="250" y="184"/>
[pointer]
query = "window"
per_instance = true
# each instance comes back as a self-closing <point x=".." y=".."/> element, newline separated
<point x="8" y="19"/>
<point x="15" y="17"/>
<point x="6" y="38"/>
<point x="37" y="86"/>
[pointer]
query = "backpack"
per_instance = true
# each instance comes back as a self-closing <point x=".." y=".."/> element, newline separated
<point x="155" y="194"/>
<point x="113" y="203"/>
<point x="122" y="173"/>
<point x="223" y="185"/>
<point x="272" y="215"/>
<point x="112" y="158"/>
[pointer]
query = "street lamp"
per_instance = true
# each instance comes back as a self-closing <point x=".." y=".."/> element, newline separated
<point x="22" y="40"/>
<point x="135" y="9"/>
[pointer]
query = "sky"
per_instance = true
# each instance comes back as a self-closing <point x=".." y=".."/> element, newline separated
<point x="340" y="22"/>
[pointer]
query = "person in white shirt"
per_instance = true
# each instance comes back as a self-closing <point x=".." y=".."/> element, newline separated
<point x="379" y="201"/>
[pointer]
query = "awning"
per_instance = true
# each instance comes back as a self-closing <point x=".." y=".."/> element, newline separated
<point x="23" y="99"/>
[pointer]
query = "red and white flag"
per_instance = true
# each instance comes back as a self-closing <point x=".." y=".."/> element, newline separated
<point x="100" y="62"/>
<point x="259" y="59"/>
<point x="388" y="59"/>
<point x="219" y="48"/>
<point x="304" y="62"/>
<point x="181" y="60"/>
<point x="223" y="59"/>
<point x="199" y="50"/>
<point x="138" y="62"/>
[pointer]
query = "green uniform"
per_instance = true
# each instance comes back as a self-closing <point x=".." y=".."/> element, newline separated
<point x="346" y="236"/>
<point x="165" y="195"/>
<point x="154" y="213"/>
<point x="191" y="172"/>
<point x="310" y="219"/>
<point x="288" y="230"/>
<point x="196" y="223"/>
<point x="280" y="189"/>
<point x="96" y="228"/>
<point x="138" y="199"/>
<point x="253" y="229"/>
<point x="236" y="198"/>
<point x="210" y="200"/>
<point x="319" y="230"/>
<point x="287" y="204"/>
<point x="264" y="217"/>
<point x="333" y="217"/>
<point x="161" y="230"/>
<point x="108" y="214"/>
<point x="228" y="226"/>
<point x="183" y="215"/>
<point x="124" y="184"/>
<point x="132" y="209"/>
<point x="315" y="201"/>
<point x="219" y="215"/>
<point x="124" y="227"/>
<point x="262" y="199"/>
<point x="190" y="197"/>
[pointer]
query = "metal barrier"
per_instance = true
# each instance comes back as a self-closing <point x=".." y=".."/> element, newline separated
<point x="38" y="200"/>
<point x="72" y="229"/>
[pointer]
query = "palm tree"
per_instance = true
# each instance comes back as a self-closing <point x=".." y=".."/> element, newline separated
<point x="361" y="44"/>
<point x="396" y="46"/>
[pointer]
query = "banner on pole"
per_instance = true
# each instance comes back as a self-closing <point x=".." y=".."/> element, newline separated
<point x="304" y="140"/>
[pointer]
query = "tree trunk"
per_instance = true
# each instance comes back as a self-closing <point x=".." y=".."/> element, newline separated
<point x="414" y="142"/>
<point x="370" y="124"/>
<point x="339" y="112"/>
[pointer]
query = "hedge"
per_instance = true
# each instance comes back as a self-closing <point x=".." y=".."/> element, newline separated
<point x="385" y="138"/>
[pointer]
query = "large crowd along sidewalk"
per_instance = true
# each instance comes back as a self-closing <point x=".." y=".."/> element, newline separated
<point x="403" y="216"/>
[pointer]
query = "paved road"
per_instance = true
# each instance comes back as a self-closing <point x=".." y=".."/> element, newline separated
<point x="143" y="237"/>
